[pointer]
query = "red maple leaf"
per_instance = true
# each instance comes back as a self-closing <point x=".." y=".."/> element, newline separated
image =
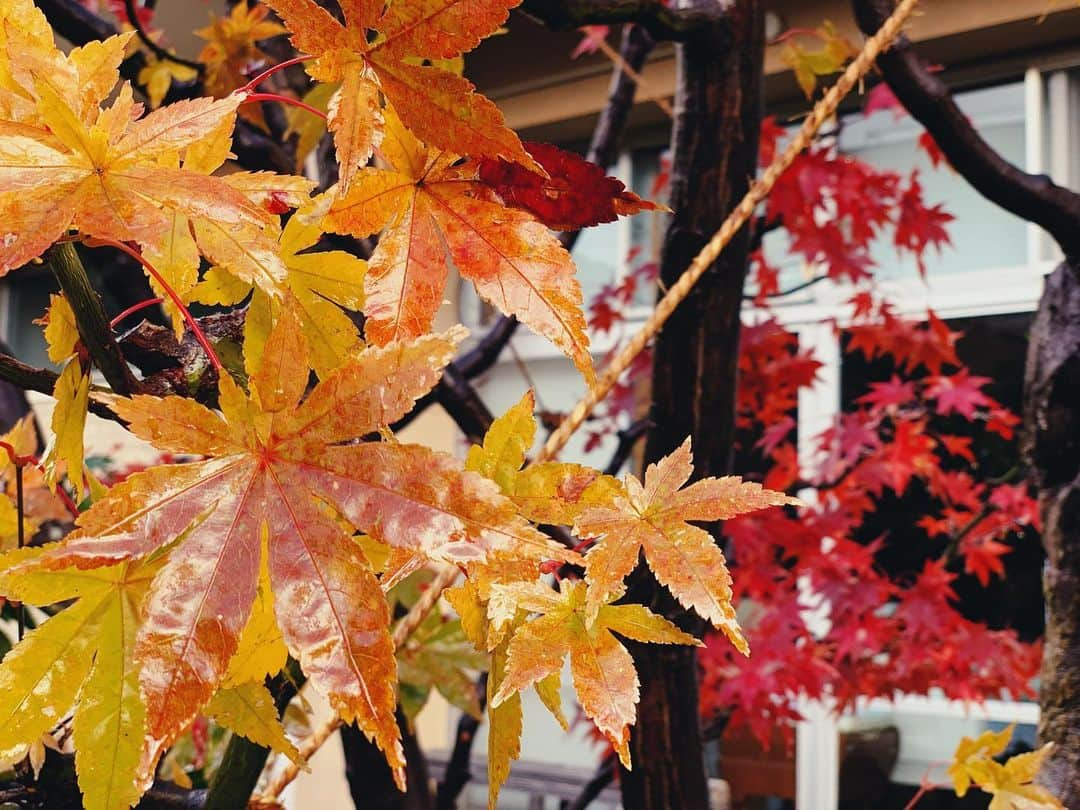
<point x="959" y="393"/>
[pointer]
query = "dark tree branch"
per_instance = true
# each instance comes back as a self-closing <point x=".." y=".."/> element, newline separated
<point x="605" y="772"/>
<point x="371" y="783"/>
<point x="662" y="22"/>
<point x="627" y="439"/>
<point x="243" y="760"/>
<point x="157" y="50"/>
<point x="792" y="290"/>
<point x="1035" y="198"/>
<point x="458" y="774"/>
<point x="28" y="378"/>
<point x="90" y="318"/>
<point x="485" y="353"/>
<point x="78" y="25"/>
<point x="57" y="789"/>
<point x="463" y="404"/>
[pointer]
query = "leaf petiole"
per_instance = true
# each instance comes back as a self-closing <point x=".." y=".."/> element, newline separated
<point x="295" y="102"/>
<point x="196" y="330"/>
<point x="270" y="71"/>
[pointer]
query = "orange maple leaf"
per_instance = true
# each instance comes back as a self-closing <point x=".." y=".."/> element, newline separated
<point x="427" y="207"/>
<point x="603" y="672"/>
<point x="108" y="175"/>
<point x="294" y="472"/>
<point x="441" y="107"/>
<point x="685" y="558"/>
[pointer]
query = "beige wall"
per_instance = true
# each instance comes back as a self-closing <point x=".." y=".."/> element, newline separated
<point x="529" y="74"/>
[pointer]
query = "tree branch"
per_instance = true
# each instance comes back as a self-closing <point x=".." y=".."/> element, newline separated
<point x="157" y="50"/>
<point x="605" y="772"/>
<point x="90" y="318"/>
<point x="662" y="22"/>
<point x="458" y="774"/>
<point x="1035" y="198"/>
<point x="243" y="761"/>
<point x="627" y="439"/>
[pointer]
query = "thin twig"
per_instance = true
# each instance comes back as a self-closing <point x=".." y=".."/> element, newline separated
<point x="154" y="48"/>
<point x="20" y="511"/>
<point x="634" y="75"/>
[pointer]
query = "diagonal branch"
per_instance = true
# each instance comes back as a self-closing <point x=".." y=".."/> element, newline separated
<point x="1035" y="198"/>
<point x="655" y="16"/>
<point x="78" y="25"/>
<point x="157" y="50"/>
<point x="90" y="318"/>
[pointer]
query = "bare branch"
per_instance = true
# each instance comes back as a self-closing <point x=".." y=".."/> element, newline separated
<point x="627" y="439"/>
<point x="1035" y="198"/>
<point x="605" y="773"/>
<point x="157" y="50"/>
<point x="90" y="318"/>
<point x="458" y="774"/>
<point x="662" y="22"/>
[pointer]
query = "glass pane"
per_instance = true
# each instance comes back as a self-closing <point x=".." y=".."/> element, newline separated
<point x="983" y="236"/>
<point x="647" y="229"/>
<point x="596" y="255"/>
<point x="28" y="300"/>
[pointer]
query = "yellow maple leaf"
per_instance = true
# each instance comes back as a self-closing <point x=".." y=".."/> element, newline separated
<point x="552" y="492"/>
<point x="441" y="107"/>
<point x="232" y="48"/>
<point x="829" y="58"/>
<point x="157" y="76"/>
<point x="65" y="451"/>
<point x="322" y="286"/>
<point x="107" y="175"/>
<point x="653" y="518"/>
<point x="602" y="670"/>
<point x="83" y="657"/>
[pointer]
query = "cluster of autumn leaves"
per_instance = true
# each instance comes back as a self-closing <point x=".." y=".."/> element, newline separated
<point x="185" y="586"/>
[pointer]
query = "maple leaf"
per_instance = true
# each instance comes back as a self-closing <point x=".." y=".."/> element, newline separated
<point x="602" y="670"/>
<point x="438" y="655"/>
<point x="1009" y="783"/>
<point x="84" y="77"/>
<point x="575" y="194"/>
<point x="441" y="107"/>
<point x="309" y="129"/>
<point x="829" y="58"/>
<point x="653" y="518"/>
<point x="287" y="468"/>
<point x="551" y="492"/>
<point x="105" y="178"/>
<point x="426" y="202"/>
<point x="321" y="286"/>
<point x="919" y="226"/>
<point x="959" y="393"/>
<point x="83" y="657"/>
<point x="158" y="75"/>
<point x="232" y="50"/>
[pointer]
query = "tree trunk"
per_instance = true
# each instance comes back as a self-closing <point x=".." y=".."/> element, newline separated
<point x="371" y="784"/>
<point x="1052" y="451"/>
<point x="715" y="150"/>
